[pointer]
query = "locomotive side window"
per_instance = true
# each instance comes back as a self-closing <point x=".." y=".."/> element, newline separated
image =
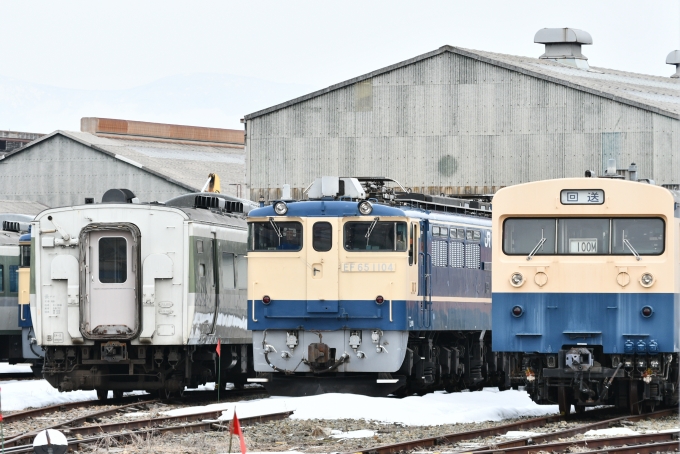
<point x="583" y="236"/>
<point x="2" y="278"/>
<point x="228" y="271"/>
<point x="522" y="236"/>
<point x="375" y="236"/>
<point x="241" y="272"/>
<point x="461" y="234"/>
<point x="322" y="236"/>
<point x="14" y="278"/>
<point x="645" y="236"/>
<point x="443" y="231"/>
<point x="25" y="258"/>
<point x="274" y="236"/>
<point x="112" y="260"/>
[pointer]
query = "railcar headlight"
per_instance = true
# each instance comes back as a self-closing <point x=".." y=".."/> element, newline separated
<point x="517" y="279"/>
<point x="647" y="280"/>
<point x="517" y="311"/>
<point x="365" y="207"/>
<point x="280" y="208"/>
<point x="266" y="299"/>
<point x="647" y="311"/>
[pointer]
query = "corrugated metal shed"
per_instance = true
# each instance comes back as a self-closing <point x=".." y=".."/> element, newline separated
<point x="65" y="167"/>
<point x="465" y="121"/>
<point x="21" y="207"/>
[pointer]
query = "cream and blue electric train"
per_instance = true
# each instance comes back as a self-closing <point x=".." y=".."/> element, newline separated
<point x="586" y="290"/>
<point x="371" y="289"/>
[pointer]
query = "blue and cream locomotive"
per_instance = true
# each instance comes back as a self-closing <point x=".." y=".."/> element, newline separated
<point x="371" y="289"/>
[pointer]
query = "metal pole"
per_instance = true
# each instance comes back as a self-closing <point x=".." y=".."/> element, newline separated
<point x="219" y="373"/>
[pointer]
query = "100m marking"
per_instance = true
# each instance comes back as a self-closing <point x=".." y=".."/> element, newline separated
<point x="352" y="267"/>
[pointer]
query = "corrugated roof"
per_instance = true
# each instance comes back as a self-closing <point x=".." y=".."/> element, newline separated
<point x="186" y="165"/>
<point x="21" y="207"/>
<point x="654" y="93"/>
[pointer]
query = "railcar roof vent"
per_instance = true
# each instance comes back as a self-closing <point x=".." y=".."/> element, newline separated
<point x="674" y="59"/>
<point x="14" y="226"/>
<point x="210" y="202"/>
<point x="119" y="196"/>
<point x="563" y="45"/>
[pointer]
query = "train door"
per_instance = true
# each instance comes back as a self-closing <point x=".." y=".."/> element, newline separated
<point x="322" y="259"/>
<point x="207" y="283"/>
<point x="111" y="281"/>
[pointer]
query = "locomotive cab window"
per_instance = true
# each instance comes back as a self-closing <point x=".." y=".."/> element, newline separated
<point x="375" y="236"/>
<point x="644" y="236"/>
<point x="523" y="236"/>
<point x="112" y="260"/>
<point x="275" y="236"/>
<point x="322" y="236"/>
<point x="25" y="257"/>
<point x="583" y="236"/>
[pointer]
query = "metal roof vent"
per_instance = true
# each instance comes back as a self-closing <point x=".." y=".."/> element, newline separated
<point x="563" y="45"/>
<point x="674" y="59"/>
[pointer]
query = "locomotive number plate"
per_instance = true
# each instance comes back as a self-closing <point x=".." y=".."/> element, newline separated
<point x="583" y="245"/>
<point x="354" y="267"/>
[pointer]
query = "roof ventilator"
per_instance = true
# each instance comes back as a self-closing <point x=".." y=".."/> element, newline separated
<point x="563" y="45"/>
<point x="674" y="59"/>
<point x="119" y="196"/>
<point x="13" y="226"/>
<point x="216" y="203"/>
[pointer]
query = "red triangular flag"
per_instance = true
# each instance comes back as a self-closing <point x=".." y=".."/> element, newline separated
<point x="219" y="347"/>
<point x="236" y="430"/>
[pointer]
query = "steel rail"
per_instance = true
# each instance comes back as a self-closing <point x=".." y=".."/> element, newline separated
<point x="203" y="426"/>
<point x="610" y="442"/>
<point x="502" y="429"/>
<point x="18" y="376"/>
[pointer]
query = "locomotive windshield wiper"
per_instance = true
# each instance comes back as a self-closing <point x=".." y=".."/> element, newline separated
<point x="275" y="227"/>
<point x="370" y="229"/>
<point x="537" y="247"/>
<point x="632" y="249"/>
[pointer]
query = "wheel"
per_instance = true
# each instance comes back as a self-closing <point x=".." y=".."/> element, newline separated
<point x="102" y="394"/>
<point x="580" y="409"/>
<point x="564" y="400"/>
<point x="635" y="405"/>
<point x="118" y="393"/>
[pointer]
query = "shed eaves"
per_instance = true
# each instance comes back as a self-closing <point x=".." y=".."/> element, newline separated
<point x="654" y="93"/>
<point x="21" y="207"/>
<point x="187" y="165"/>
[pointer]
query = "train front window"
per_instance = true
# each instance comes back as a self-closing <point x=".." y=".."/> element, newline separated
<point x="274" y="236"/>
<point x="322" y="236"/>
<point x="644" y="236"/>
<point x="375" y="236"/>
<point x="583" y="236"/>
<point x="112" y="260"/>
<point x="25" y="257"/>
<point x="524" y="236"/>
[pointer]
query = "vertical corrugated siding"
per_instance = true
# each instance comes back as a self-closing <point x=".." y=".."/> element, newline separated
<point x="453" y="124"/>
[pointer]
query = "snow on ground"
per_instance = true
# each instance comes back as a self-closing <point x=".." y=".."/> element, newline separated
<point x="611" y="432"/>
<point x="6" y="368"/>
<point x="431" y="409"/>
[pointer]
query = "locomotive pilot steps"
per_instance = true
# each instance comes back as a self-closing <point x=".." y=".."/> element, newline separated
<point x="370" y="289"/>
<point x="128" y="296"/>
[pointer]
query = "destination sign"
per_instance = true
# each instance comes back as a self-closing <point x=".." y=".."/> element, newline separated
<point x="582" y="197"/>
<point x="354" y="267"/>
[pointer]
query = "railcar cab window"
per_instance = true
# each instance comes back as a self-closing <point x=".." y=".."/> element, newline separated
<point x="375" y="236"/>
<point x="274" y="236"/>
<point x="112" y="260"/>
<point x="583" y="236"/>
<point x="322" y="236"/>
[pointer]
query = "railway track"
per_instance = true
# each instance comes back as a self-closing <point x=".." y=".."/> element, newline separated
<point x="539" y="443"/>
<point x="18" y="376"/>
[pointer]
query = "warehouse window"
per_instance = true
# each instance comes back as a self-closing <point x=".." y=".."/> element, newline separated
<point x="363" y="96"/>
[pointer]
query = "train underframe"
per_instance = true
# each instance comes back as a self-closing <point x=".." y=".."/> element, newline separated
<point x="451" y="361"/>
<point x="586" y="377"/>
<point x="163" y="370"/>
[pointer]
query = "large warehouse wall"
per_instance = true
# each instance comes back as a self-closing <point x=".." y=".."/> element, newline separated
<point x="60" y="171"/>
<point x="454" y="124"/>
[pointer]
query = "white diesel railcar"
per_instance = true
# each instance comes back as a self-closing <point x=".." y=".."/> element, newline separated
<point x="128" y="296"/>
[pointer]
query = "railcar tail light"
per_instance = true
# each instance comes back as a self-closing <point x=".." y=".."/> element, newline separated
<point x="647" y="311"/>
<point x="365" y="207"/>
<point x="266" y="299"/>
<point x="647" y="280"/>
<point x="517" y="311"/>
<point x="517" y="279"/>
<point x="280" y="208"/>
<point x="379" y="299"/>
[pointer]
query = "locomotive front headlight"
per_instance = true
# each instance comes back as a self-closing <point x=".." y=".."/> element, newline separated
<point x="517" y="279"/>
<point x="280" y="208"/>
<point x="365" y="207"/>
<point x="647" y="280"/>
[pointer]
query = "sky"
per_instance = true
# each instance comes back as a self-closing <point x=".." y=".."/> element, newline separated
<point x="209" y="63"/>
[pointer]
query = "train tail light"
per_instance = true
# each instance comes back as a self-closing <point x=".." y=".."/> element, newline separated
<point x="266" y="299"/>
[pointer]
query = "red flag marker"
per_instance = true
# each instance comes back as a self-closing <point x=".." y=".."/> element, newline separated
<point x="218" y="349"/>
<point x="236" y="430"/>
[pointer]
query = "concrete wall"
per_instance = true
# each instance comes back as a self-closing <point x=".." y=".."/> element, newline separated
<point x="60" y="172"/>
<point x="452" y="124"/>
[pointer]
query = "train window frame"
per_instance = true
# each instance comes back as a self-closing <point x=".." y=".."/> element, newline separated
<point x="2" y="278"/>
<point x="559" y="234"/>
<point x="444" y="231"/>
<point x="469" y="235"/>
<point x="537" y="253"/>
<point x="228" y="271"/>
<point x="435" y="230"/>
<point x="476" y="235"/>
<point x="199" y="246"/>
<point x="100" y="256"/>
<point x="320" y="247"/>
<point x="241" y="266"/>
<point x="395" y="247"/>
<point x="283" y="227"/>
<point x="14" y="278"/>
<point x="611" y="220"/>
<point x="24" y="256"/>
<point x="461" y="234"/>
